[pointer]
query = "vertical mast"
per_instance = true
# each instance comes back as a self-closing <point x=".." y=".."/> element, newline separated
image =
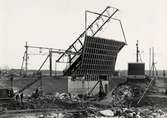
<point x="50" y="62"/>
<point x="26" y="58"/>
<point x="137" y="51"/>
<point x="150" y="62"/>
<point x="153" y="64"/>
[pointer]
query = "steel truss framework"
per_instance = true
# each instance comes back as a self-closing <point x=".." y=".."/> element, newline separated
<point x="79" y="63"/>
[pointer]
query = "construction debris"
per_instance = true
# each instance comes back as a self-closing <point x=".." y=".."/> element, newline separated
<point x="119" y="97"/>
<point x="141" y="112"/>
<point x="71" y="106"/>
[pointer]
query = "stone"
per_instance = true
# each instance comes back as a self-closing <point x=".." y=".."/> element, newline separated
<point x="107" y="113"/>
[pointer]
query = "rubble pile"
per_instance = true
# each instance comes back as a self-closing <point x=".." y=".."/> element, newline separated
<point x="140" y="112"/>
<point x="57" y="101"/>
<point x="114" y="112"/>
<point x="115" y="105"/>
<point x="63" y="101"/>
<point x="120" y="97"/>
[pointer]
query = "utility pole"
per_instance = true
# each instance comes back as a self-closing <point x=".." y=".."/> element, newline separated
<point x="137" y="51"/>
<point x="153" y="63"/>
<point x="153" y="70"/>
<point x="149" y="61"/>
<point x="50" y="65"/>
<point x="26" y="58"/>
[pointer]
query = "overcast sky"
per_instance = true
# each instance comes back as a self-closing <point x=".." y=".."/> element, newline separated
<point x="57" y="23"/>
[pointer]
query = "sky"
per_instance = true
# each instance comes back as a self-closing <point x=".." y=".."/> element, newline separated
<point x="57" y="23"/>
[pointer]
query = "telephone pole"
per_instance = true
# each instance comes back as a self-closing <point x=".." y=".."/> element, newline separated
<point x="26" y="59"/>
<point x="50" y="65"/>
<point x="137" y="51"/>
